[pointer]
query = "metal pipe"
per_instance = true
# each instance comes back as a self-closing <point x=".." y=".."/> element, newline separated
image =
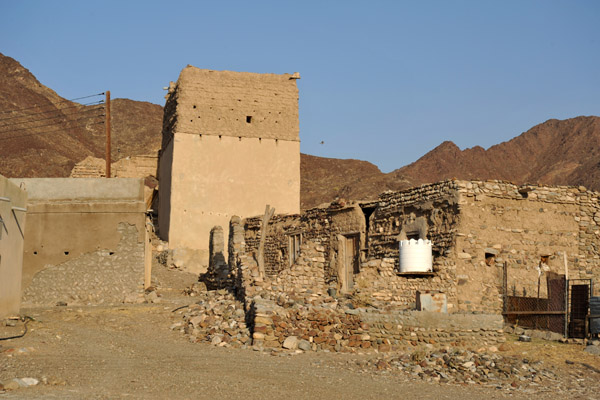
<point x="4" y="199"/>
<point x="19" y="209"/>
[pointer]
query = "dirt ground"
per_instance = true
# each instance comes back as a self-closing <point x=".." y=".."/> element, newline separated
<point x="130" y="351"/>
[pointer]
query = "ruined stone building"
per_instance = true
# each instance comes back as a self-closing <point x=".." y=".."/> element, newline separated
<point x="230" y="147"/>
<point x="475" y="227"/>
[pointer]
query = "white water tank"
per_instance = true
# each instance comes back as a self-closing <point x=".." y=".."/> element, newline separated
<point x="415" y="256"/>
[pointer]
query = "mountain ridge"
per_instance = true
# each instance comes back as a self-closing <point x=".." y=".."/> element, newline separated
<point x="555" y="152"/>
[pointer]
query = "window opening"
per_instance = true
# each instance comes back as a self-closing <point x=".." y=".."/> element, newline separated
<point x="295" y="241"/>
<point x="249" y="119"/>
<point x="412" y="235"/>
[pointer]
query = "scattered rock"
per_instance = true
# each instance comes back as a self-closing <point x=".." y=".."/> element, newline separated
<point x="218" y="318"/>
<point x="304" y="345"/>
<point x="595" y="350"/>
<point x="26" y="382"/>
<point x="11" y="385"/>
<point x="291" y="343"/>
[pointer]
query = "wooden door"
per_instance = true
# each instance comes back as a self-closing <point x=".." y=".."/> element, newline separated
<point x="351" y="265"/>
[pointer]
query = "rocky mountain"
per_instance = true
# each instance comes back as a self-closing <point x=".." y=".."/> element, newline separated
<point x="554" y="152"/>
<point x="44" y="135"/>
<point x="323" y="179"/>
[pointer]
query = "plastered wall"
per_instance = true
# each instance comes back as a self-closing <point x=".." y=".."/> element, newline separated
<point x="227" y="176"/>
<point x="12" y="226"/>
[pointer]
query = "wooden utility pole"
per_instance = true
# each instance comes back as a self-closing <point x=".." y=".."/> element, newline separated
<point x="107" y="124"/>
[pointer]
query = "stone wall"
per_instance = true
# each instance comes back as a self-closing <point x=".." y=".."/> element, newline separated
<point x="318" y="225"/>
<point x="303" y="281"/>
<point x="502" y="222"/>
<point x="100" y="277"/>
<point x="428" y="211"/>
<point x="475" y="228"/>
<point x="378" y="284"/>
<point x="327" y="326"/>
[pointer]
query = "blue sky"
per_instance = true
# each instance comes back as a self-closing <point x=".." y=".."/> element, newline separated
<point x="382" y="81"/>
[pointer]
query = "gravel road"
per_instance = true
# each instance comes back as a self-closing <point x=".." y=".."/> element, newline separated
<point x="130" y="351"/>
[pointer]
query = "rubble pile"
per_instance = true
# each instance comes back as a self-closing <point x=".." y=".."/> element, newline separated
<point x="312" y="328"/>
<point x="462" y="366"/>
<point x="216" y="317"/>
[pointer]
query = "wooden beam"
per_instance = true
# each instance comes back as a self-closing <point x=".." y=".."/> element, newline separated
<point x="260" y="258"/>
<point x="533" y="313"/>
<point x="147" y="255"/>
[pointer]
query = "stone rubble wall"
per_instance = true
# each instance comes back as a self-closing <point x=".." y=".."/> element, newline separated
<point x="319" y="225"/>
<point x="431" y="208"/>
<point x="306" y="276"/>
<point x="216" y="317"/>
<point x="327" y="327"/>
<point x="475" y="227"/>
<point x="303" y="280"/>
<point x="100" y="277"/>
<point x="378" y="284"/>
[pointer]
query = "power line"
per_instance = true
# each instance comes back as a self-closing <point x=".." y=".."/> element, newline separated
<point x="54" y="123"/>
<point x="53" y="110"/>
<point x="42" y="133"/>
<point x="60" y="101"/>
<point x="52" y="117"/>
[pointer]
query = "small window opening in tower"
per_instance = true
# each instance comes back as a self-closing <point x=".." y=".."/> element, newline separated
<point x="249" y="119"/>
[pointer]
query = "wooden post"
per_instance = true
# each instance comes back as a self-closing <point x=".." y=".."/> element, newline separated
<point x="147" y="255"/>
<point x="504" y="286"/>
<point x="263" y="236"/>
<point x="107" y="124"/>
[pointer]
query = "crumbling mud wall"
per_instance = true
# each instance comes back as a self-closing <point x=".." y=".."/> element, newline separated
<point x="318" y="225"/>
<point x="139" y="166"/>
<point x="84" y="236"/>
<point x="230" y="147"/>
<point x="13" y="204"/>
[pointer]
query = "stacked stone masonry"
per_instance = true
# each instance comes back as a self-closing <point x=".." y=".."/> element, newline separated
<point x="330" y="327"/>
<point x="475" y="228"/>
